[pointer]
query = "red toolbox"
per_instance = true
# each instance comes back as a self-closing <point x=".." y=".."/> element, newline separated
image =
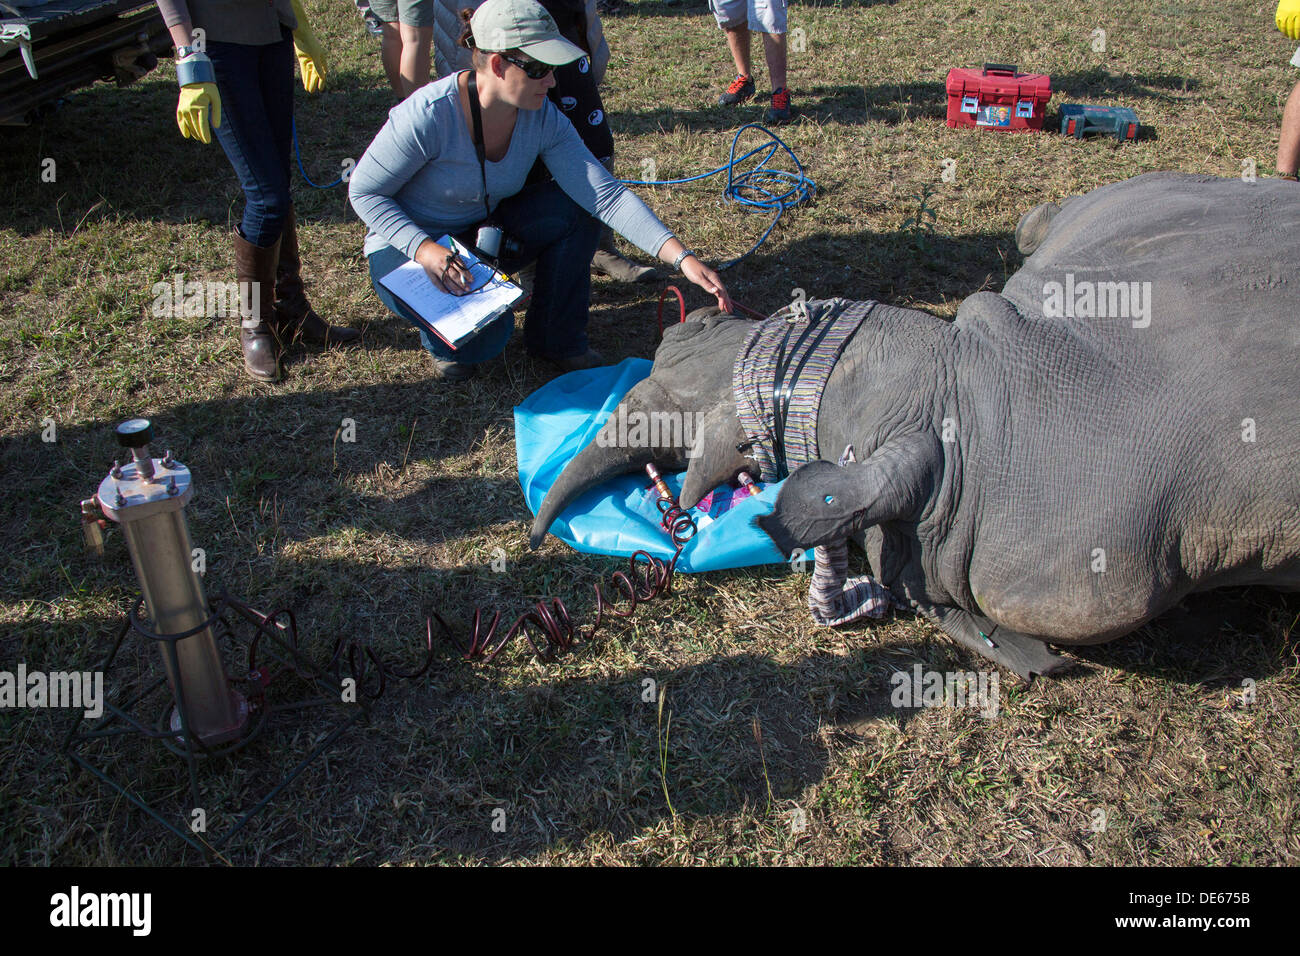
<point x="998" y="97"/>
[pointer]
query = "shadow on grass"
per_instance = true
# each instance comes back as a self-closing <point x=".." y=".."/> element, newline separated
<point x="566" y="755"/>
<point x="1213" y="638"/>
<point x="581" y="757"/>
<point x="499" y="762"/>
<point x="464" y="764"/>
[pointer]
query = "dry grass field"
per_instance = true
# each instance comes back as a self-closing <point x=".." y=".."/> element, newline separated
<point x="1150" y="751"/>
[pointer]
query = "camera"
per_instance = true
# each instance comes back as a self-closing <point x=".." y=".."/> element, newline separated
<point x="494" y="244"/>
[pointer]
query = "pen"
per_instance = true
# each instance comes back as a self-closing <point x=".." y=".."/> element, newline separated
<point x="455" y="261"/>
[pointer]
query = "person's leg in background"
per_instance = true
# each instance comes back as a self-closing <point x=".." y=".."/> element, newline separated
<point x="390" y="54"/>
<point x="256" y="86"/>
<point x="732" y="17"/>
<point x="406" y="42"/>
<point x="1288" y="144"/>
<point x="293" y="318"/>
<point x="739" y="45"/>
<point x="260" y="166"/>
<point x="390" y="42"/>
<point x="770" y="17"/>
<point x="373" y="23"/>
<point x="417" y="46"/>
<point x="562" y="236"/>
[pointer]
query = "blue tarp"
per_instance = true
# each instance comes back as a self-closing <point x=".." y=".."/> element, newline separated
<point x="619" y="517"/>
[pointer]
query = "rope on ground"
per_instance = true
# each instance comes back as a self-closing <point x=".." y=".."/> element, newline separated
<point x="302" y="169"/>
<point x="760" y="188"/>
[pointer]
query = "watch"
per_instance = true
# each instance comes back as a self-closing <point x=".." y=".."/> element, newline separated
<point x="677" y="263"/>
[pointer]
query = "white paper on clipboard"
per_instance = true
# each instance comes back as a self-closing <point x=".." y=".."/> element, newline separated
<point x="453" y="318"/>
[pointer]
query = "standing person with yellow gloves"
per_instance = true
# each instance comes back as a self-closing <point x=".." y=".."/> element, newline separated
<point x="234" y="63"/>
<point x="1288" y="145"/>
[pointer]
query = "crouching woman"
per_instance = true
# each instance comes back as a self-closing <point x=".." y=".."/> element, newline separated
<point x="427" y="173"/>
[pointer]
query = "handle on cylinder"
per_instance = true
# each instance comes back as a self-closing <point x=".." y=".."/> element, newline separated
<point x="92" y="525"/>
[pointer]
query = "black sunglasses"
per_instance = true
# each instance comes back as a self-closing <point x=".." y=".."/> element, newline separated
<point x="535" y="69"/>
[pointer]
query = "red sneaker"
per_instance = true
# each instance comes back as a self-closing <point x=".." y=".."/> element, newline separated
<point x="741" y="89"/>
<point x="779" y="111"/>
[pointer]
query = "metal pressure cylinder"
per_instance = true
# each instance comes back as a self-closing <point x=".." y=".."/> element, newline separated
<point x="147" y="497"/>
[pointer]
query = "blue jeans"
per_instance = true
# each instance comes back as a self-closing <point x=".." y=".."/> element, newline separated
<point x="256" y="131"/>
<point x="561" y="237"/>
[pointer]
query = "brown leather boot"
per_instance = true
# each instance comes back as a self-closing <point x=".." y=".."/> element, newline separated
<point x="255" y="270"/>
<point x="607" y="261"/>
<point x="294" y="317"/>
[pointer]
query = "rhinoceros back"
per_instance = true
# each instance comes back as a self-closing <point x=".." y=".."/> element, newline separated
<point x="1147" y="355"/>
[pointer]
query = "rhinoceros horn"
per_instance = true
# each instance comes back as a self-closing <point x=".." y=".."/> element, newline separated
<point x="715" y="457"/>
<point x="607" y="457"/>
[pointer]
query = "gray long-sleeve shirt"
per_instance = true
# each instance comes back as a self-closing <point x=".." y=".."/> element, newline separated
<point x="420" y="176"/>
<point x="255" y="22"/>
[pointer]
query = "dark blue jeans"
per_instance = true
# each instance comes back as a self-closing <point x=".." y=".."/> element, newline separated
<point x="256" y="131"/>
<point x="556" y="233"/>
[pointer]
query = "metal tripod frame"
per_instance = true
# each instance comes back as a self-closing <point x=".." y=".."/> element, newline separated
<point x="280" y="640"/>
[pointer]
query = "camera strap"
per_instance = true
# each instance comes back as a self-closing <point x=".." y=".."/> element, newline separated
<point x="480" y="150"/>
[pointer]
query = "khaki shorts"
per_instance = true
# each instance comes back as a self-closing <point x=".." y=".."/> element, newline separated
<point x="414" y="13"/>
<point x="763" y="16"/>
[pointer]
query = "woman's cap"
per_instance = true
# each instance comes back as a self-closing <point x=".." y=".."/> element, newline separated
<point x="522" y="25"/>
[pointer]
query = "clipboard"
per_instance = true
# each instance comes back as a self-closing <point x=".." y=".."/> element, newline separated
<point x="453" y="318"/>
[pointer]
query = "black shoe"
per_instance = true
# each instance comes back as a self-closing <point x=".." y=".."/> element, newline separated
<point x="741" y="89"/>
<point x="779" y="112"/>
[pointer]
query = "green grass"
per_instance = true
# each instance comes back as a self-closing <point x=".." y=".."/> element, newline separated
<point x="363" y="538"/>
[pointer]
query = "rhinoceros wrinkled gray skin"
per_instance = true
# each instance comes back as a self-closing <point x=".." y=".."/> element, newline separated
<point x="1042" y="469"/>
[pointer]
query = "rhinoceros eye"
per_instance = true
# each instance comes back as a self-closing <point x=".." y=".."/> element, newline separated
<point x="829" y="498"/>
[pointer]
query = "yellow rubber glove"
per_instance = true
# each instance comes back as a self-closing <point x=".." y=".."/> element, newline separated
<point x="311" y="55"/>
<point x="197" y="102"/>
<point x="1288" y="18"/>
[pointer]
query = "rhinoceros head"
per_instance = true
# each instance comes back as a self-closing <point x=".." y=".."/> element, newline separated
<point x="819" y="503"/>
<point x="822" y="502"/>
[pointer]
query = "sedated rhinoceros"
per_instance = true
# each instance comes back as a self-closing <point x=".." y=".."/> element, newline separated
<point x="1118" y="428"/>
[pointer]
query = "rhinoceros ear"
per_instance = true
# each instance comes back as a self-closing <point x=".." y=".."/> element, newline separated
<point x="823" y="502"/>
<point x="713" y="456"/>
<point x="1034" y="226"/>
